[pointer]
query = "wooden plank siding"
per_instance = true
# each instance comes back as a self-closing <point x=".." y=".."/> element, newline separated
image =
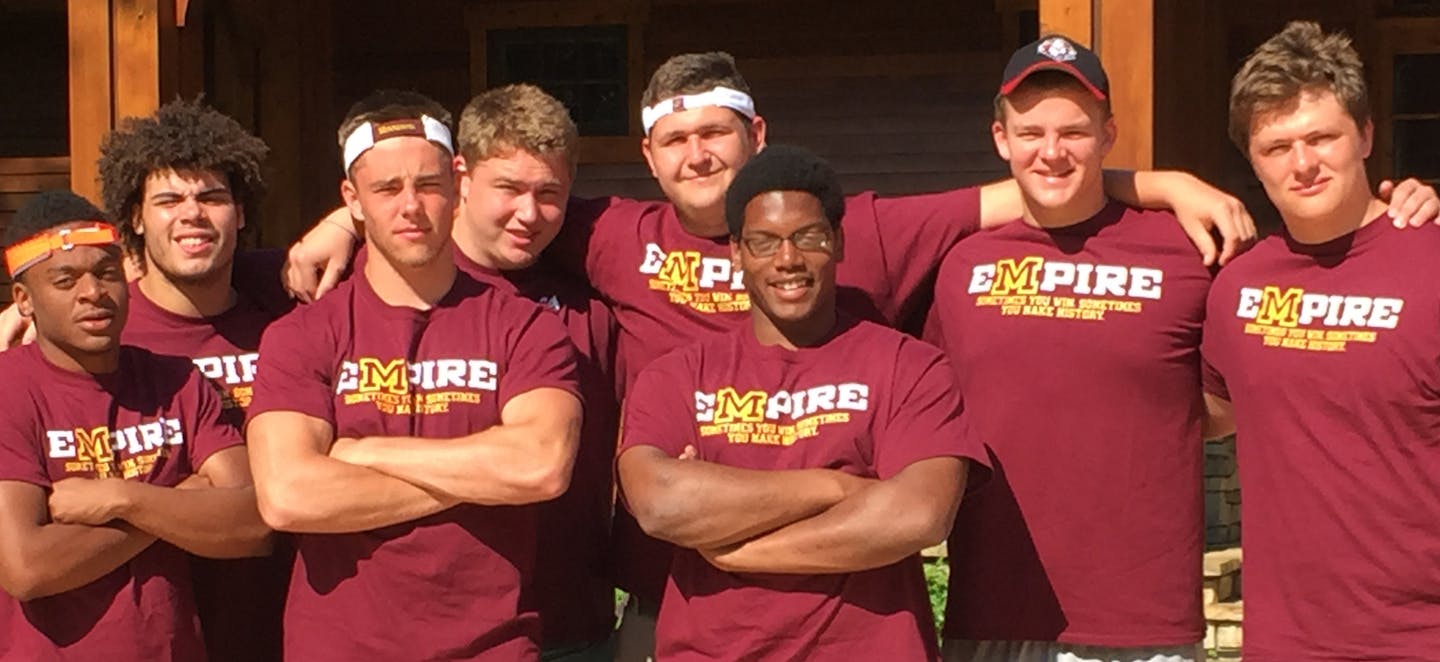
<point x="21" y="178"/>
<point x="899" y="101"/>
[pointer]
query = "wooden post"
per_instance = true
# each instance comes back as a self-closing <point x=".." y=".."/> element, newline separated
<point x="1126" y="37"/>
<point x="137" y="55"/>
<point x="1072" y="18"/>
<point x="89" y="27"/>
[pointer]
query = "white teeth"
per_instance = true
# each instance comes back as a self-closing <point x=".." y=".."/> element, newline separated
<point x="191" y="242"/>
<point x="792" y="285"/>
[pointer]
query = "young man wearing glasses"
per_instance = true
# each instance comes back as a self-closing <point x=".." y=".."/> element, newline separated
<point x="800" y="462"/>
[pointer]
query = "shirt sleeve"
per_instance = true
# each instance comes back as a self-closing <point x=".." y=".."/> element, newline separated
<point x="294" y="371"/>
<point x="913" y="234"/>
<point x="1212" y="349"/>
<point x="658" y="409"/>
<point x="213" y="429"/>
<point x="541" y="354"/>
<point x="22" y="444"/>
<point x="925" y="417"/>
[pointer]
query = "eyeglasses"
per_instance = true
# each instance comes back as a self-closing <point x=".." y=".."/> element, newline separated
<point x="811" y="239"/>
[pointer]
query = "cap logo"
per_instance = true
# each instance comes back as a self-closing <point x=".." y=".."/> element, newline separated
<point x="678" y="105"/>
<point x="1057" y="49"/>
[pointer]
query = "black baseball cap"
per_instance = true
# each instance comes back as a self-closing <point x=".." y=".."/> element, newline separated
<point x="1057" y="53"/>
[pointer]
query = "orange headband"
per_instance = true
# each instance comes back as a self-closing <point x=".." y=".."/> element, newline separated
<point x="30" y="252"/>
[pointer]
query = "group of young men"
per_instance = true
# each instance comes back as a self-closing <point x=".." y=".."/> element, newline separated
<point x="433" y="464"/>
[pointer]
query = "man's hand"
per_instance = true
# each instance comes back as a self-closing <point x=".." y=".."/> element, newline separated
<point x="1202" y="207"/>
<point x="313" y="266"/>
<point x="15" y="329"/>
<point x="88" y="501"/>
<point x="346" y="449"/>
<point x="1413" y="203"/>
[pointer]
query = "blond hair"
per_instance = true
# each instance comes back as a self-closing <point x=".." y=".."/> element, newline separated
<point x="519" y="117"/>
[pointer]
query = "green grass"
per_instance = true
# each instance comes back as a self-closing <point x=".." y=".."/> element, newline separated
<point x="937" y="581"/>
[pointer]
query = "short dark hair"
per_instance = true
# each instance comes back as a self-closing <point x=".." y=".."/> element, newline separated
<point x="692" y="73"/>
<point x="49" y="209"/>
<point x="784" y="168"/>
<point x="181" y="135"/>
<point x="384" y="105"/>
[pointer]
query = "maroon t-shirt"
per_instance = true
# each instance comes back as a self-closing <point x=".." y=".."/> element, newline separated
<point x="154" y="420"/>
<point x="869" y="401"/>
<point x="573" y="587"/>
<point x="668" y="288"/>
<point x="1331" y="355"/>
<point x="1077" y="352"/>
<point x="240" y="600"/>
<point x="444" y="586"/>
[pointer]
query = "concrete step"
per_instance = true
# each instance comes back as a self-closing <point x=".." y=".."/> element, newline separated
<point x="1221" y="571"/>
<point x="1223" y="629"/>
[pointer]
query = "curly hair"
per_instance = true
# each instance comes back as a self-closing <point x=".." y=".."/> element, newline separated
<point x="1298" y="60"/>
<point x="784" y="168"/>
<point x="180" y="135"/>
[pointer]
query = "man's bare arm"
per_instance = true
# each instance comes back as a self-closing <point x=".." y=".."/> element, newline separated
<point x="219" y="520"/>
<point x="874" y="527"/>
<point x="1219" y="417"/>
<point x="314" y="264"/>
<point x="699" y="504"/>
<point x="39" y="558"/>
<point x="300" y="488"/>
<point x="527" y="458"/>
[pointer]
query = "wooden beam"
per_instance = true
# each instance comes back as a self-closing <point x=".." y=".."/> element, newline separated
<point x="1072" y="18"/>
<point x="1126" y="36"/>
<point x="90" y="117"/>
<point x="135" y="26"/>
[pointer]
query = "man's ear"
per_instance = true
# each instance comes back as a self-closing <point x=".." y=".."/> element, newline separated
<point x="649" y="158"/>
<point x="135" y="223"/>
<point x="734" y="254"/>
<point x="351" y="198"/>
<point x="21" y="296"/>
<point x="839" y="251"/>
<point x="997" y="133"/>
<point x="757" y="132"/>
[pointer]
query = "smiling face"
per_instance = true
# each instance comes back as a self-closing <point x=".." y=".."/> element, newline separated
<point x="1056" y="139"/>
<point x="694" y="155"/>
<point x="78" y="301"/>
<point x="793" y="289"/>
<point x="189" y="221"/>
<point x="404" y="189"/>
<point x="1310" y="156"/>
<point x="513" y="206"/>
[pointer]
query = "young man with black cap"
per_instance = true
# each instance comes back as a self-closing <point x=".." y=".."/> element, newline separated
<point x="801" y="462"/>
<point x="114" y="461"/>
<point x="397" y="423"/>
<point x="1086" y="543"/>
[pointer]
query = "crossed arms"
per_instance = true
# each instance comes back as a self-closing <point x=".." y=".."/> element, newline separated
<point x="307" y="481"/>
<point x="796" y="521"/>
<point x="86" y="528"/>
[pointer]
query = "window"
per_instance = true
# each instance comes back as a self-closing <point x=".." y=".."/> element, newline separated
<point x="1416" y="115"/>
<point x="584" y="67"/>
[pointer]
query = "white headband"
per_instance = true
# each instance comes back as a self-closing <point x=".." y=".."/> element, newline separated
<point x="720" y="96"/>
<point x="366" y="135"/>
